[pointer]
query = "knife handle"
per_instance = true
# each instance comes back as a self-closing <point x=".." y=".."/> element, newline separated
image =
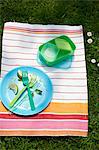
<point x="30" y="99"/>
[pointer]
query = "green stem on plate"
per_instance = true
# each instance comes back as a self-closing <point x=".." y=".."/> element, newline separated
<point x="17" y="97"/>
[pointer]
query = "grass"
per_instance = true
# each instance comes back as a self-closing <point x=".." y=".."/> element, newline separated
<point x="60" y="12"/>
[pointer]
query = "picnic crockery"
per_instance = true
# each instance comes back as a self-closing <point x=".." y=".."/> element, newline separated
<point x="56" y="50"/>
<point x="49" y="52"/>
<point x="41" y="101"/>
<point x="65" y="64"/>
<point x="26" y="83"/>
<point x="31" y="84"/>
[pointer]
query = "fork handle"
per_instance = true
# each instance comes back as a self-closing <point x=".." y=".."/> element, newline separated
<point x="30" y="98"/>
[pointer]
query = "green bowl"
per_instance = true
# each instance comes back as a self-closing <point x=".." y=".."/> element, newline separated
<point x="56" y="50"/>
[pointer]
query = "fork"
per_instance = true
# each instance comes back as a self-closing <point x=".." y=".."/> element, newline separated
<point x="26" y="83"/>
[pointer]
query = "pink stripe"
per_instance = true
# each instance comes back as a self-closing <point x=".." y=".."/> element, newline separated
<point x="69" y="99"/>
<point x="34" y="53"/>
<point x="20" y="53"/>
<point x="50" y="67"/>
<point x="27" y="47"/>
<point x="8" y="124"/>
<point x="69" y="78"/>
<point x="71" y="85"/>
<point x="19" y="58"/>
<point x="30" y="41"/>
<point x="46" y="72"/>
<point x="34" y="42"/>
<point x="63" y="78"/>
<point x="9" y="65"/>
<point x="59" y="78"/>
<point x="76" y="86"/>
<point x="34" y="59"/>
<point x="20" y="47"/>
<point x="43" y="66"/>
<point x="70" y="92"/>
<point x="68" y="72"/>
<point x="47" y="32"/>
<point x="22" y="41"/>
<point x="45" y="36"/>
<point x="42" y="30"/>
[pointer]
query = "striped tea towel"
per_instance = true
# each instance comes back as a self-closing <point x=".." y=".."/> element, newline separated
<point x="67" y="114"/>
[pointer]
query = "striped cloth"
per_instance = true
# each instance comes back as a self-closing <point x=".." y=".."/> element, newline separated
<point x="67" y="114"/>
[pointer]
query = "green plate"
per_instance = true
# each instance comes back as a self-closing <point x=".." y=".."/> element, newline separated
<point x="56" y="50"/>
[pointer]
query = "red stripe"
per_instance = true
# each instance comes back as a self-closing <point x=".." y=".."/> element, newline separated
<point x="42" y="30"/>
<point x="44" y="116"/>
<point x="45" y="36"/>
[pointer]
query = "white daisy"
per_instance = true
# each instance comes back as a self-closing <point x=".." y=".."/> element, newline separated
<point x="93" y="61"/>
<point x="89" y="33"/>
<point x="98" y="64"/>
<point x="89" y="41"/>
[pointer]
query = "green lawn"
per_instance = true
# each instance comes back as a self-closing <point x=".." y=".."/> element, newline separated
<point x="83" y="12"/>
